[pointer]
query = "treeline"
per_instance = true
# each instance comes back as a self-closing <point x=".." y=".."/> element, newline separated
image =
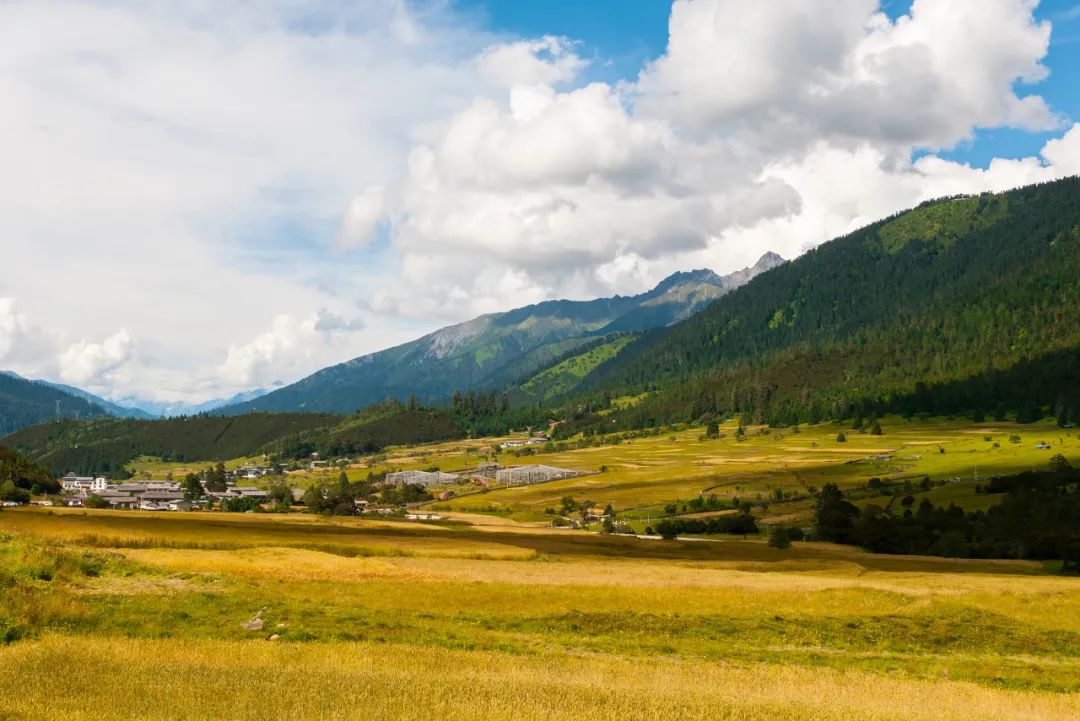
<point x="964" y="306"/>
<point x="370" y="431"/>
<point x="107" y="446"/>
<point x="1038" y="518"/>
<point x="741" y="523"/>
<point x="19" y="476"/>
<point x="490" y="413"/>
<point x="104" y="447"/>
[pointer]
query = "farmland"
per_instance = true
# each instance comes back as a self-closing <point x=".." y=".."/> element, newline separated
<point x="496" y="614"/>
<point x="483" y="618"/>
<point x="641" y="475"/>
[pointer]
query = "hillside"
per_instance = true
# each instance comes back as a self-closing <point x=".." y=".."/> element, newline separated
<point x="106" y="446"/>
<point x="24" y="403"/>
<point x="495" y="350"/>
<point x="965" y="305"/>
<point x="113" y="409"/>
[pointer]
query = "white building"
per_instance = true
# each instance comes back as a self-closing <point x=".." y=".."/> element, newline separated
<point x="523" y="475"/>
<point x="421" y="478"/>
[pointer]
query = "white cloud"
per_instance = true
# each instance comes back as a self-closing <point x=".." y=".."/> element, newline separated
<point x="767" y="126"/>
<point x="14" y="327"/>
<point x="91" y="363"/>
<point x="545" y="61"/>
<point x="350" y="176"/>
<point x="794" y="72"/>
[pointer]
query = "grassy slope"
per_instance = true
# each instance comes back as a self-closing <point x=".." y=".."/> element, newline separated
<point x="562" y="378"/>
<point x="646" y="473"/>
<point x="406" y="621"/>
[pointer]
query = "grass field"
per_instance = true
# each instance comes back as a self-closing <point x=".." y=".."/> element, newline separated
<point x="488" y="618"/>
<point x="644" y="474"/>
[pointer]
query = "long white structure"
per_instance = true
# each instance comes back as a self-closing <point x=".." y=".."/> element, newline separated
<point x="524" y="475"/>
<point x="420" y="478"/>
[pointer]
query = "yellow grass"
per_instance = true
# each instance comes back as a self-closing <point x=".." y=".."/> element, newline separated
<point x="146" y="679"/>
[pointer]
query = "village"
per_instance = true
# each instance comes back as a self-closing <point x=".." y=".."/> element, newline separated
<point x="170" y="495"/>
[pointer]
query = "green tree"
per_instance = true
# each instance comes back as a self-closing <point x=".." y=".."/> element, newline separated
<point x="780" y="538"/>
<point x="193" y="488"/>
<point x="95" y="501"/>
<point x="834" y="517"/>
<point x="841" y="437"/>
<point x="712" y="430"/>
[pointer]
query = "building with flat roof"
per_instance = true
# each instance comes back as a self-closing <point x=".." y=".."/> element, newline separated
<point x="524" y="475"/>
<point x="421" y="478"/>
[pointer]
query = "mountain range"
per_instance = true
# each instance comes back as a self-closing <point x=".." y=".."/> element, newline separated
<point x="966" y="305"/>
<point x="496" y="350"/>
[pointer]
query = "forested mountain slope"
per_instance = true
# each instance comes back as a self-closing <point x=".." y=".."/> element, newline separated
<point x="106" y="446"/>
<point x="24" y="402"/>
<point x="493" y="351"/>
<point x="962" y="305"/>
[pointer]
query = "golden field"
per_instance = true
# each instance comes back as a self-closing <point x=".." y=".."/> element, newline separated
<point x="116" y="615"/>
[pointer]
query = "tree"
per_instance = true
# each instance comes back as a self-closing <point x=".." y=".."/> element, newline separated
<point x="281" y="496"/>
<point x="1060" y="464"/>
<point x="10" y="492"/>
<point x="95" y="501"/>
<point x="193" y="488"/>
<point x="875" y="429"/>
<point x="667" y="529"/>
<point x="712" y="430"/>
<point x="841" y="438"/>
<point x="241" y="505"/>
<point x="780" y="538"/>
<point x="214" y="478"/>
<point x="834" y="517"/>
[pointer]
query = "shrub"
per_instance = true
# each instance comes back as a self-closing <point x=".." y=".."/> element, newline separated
<point x="780" y="538"/>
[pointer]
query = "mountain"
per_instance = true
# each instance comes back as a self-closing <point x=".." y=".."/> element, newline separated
<point x="24" y="402"/>
<point x="106" y="445"/>
<point x="158" y="409"/>
<point x="496" y="350"/>
<point x="113" y="409"/>
<point x="965" y="305"/>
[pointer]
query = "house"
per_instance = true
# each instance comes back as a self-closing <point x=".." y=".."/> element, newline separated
<point x="180" y="505"/>
<point x="85" y="484"/>
<point x="537" y="440"/>
<point x="120" y="500"/>
<point x="423" y="516"/>
<point x="524" y="475"/>
<point x="160" y="497"/>
<point x="512" y="444"/>
<point x="247" y="492"/>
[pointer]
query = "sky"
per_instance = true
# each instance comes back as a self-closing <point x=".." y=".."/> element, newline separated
<point x="201" y="198"/>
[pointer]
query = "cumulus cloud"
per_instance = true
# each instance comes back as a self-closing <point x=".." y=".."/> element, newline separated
<point x="350" y="176"/>
<point x="546" y="61"/>
<point x="14" y="327"/>
<point x="793" y="72"/>
<point x="91" y="363"/>
<point x="767" y="126"/>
